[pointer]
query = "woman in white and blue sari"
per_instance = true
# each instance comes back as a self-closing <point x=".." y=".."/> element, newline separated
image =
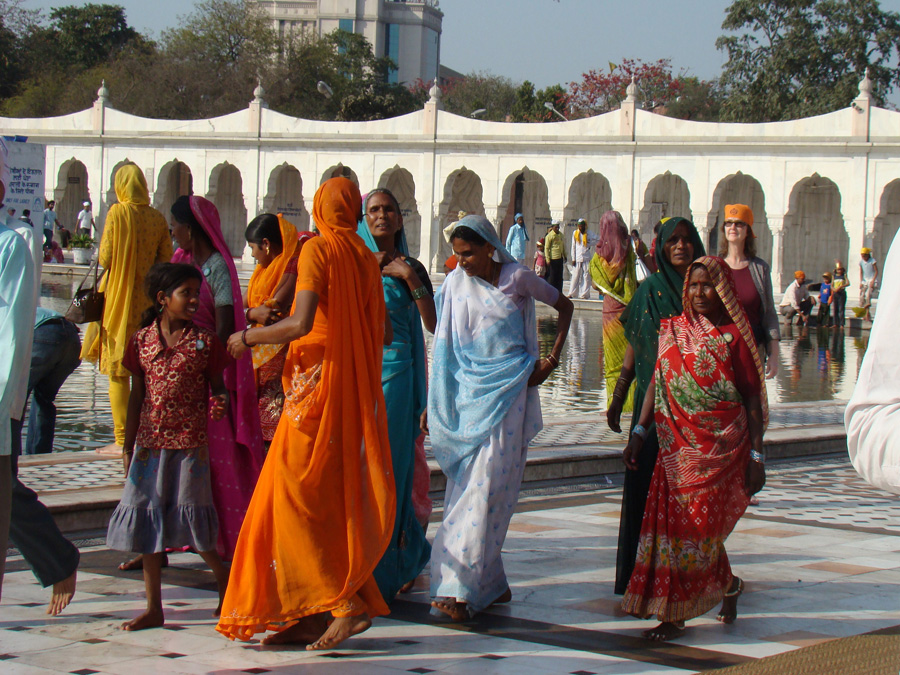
<point x="483" y="410"/>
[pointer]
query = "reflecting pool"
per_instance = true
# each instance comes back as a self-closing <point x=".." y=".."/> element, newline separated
<point x="814" y="365"/>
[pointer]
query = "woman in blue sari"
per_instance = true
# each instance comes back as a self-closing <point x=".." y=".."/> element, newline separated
<point x="483" y="410"/>
<point x="408" y="296"/>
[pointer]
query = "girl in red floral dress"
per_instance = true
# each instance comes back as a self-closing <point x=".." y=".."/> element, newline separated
<point x="167" y="500"/>
<point x="708" y="398"/>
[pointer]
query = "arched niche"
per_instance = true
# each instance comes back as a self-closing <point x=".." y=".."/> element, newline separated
<point x="111" y="197"/>
<point x="525" y="192"/>
<point x="402" y="185"/>
<point x="70" y="193"/>
<point x="590" y="196"/>
<point x="284" y="195"/>
<point x="739" y="188"/>
<point x="814" y="233"/>
<point x="226" y="192"/>
<point x="666" y="195"/>
<point x="339" y="170"/>
<point x="887" y="223"/>
<point x="173" y="181"/>
<point x="462" y="192"/>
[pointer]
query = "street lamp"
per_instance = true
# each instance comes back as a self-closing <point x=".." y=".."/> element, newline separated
<point x="324" y="89"/>
<point x="549" y="106"/>
<point x="477" y="113"/>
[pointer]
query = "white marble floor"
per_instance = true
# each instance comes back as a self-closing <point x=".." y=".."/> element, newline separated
<point x="821" y="557"/>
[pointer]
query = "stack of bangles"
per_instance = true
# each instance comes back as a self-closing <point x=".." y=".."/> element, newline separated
<point x="621" y="390"/>
<point x="756" y="456"/>
<point x="553" y="361"/>
<point x="244" y="338"/>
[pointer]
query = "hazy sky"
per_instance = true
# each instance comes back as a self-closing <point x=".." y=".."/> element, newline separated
<point x="544" y="41"/>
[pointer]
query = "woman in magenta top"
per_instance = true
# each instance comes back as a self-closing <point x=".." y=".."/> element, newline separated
<point x="752" y="281"/>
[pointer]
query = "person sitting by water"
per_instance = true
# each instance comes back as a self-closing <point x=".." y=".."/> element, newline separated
<point x="797" y="301"/>
<point x="484" y="410"/>
<point x="707" y="398"/>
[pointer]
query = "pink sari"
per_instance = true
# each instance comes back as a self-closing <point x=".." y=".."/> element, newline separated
<point x="235" y="442"/>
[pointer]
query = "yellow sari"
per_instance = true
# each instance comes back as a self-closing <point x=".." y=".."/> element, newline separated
<point x="135" y="237"/>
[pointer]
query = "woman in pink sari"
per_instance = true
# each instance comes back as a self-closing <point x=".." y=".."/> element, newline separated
<point x="235" y="441"/>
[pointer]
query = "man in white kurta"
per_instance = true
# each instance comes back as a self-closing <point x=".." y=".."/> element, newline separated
<point x="17" y="293"/>
<point x="583" y="244"/>
<point x="872" y="417"/>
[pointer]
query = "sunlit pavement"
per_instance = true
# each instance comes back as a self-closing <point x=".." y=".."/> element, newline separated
<point x="820" y="556"/>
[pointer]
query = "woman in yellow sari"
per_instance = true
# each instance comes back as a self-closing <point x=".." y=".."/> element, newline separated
<point x="275" y="247"/>
<point x="612" y="269"/>
<point x="322" y="514"/>
<point x="135" y="237"/>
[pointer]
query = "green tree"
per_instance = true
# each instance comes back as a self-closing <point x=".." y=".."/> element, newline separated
<point x="796" y="58"/>
<point x="89" y="35"/>
<point x="494" y="94"/>
<point x="697" y="100"/>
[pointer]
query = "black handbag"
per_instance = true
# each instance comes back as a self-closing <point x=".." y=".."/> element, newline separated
<point x="87" y="303"/>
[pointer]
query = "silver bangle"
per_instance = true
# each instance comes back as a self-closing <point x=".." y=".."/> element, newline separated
<point x="640" y="430"/>
<point x="756" y="456"/>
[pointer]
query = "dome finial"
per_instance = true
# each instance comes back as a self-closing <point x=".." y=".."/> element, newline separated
<point x="631" y="91"/>
<point x="865" y="86"/>
<point x="259" y="94"/>
<point x="103" y="92"/>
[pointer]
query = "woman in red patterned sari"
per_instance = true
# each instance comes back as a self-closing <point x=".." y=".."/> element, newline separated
<point x="708" y="400"/>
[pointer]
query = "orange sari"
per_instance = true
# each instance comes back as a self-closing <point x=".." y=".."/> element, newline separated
<point x="323" y="510"/>
<point x="268" y="360"/>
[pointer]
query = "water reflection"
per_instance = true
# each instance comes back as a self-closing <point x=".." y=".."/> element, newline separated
<point x="815" y="365"/>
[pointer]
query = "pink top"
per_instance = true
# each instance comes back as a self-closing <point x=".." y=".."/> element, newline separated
<point x="748" y="296"/>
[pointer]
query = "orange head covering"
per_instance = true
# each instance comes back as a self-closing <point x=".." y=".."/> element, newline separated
<point x="331" y="442"/>
<point x="740" y="212"/>
<point x="799" y="274"/>
<point x="451" y="262"/>
<point x="265" y="281"/>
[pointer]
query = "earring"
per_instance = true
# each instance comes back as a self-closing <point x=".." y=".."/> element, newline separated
<point x="267" y="250"/>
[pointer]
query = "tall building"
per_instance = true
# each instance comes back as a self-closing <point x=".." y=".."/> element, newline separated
<point x="409" y="31"/>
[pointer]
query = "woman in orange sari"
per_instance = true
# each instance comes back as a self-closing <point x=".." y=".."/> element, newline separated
<point x="275" y="247"/>
<point x="323" y="511"/>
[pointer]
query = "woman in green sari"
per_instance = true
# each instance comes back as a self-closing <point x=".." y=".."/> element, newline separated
<point x="657" y="298"/>
<point x="409" y="298"/>
<point x="612" y="270"/>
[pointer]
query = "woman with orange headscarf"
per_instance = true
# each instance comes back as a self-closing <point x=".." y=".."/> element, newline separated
<point x="323" y="511"/>
<point x="275" y="246"/>
<point x="135" y="237"/>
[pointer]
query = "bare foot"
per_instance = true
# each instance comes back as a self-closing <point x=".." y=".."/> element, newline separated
<point x="667" y="630"/>
<point x="449" y="606"/>
<point x="306" y="630"/>
<point x="62" y="594"/>
<point x="339" y="630"/>
<point x="152" y="618"/>
<point x="137" y="563"/>
<point x="407" y="587"/>
<point x="112" y="449"/>
<point x="503" y="598"/>
<point x="728" y="613"/>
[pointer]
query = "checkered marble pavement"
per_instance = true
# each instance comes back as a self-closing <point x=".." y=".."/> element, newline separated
<point x="808" y="580"/>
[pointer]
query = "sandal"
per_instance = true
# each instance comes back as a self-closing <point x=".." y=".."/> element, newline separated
<point x="737" y="588"/>
<point x="667" y="630"/>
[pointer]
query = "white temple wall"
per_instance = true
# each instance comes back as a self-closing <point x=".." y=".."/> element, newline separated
<point x="458" y="163"/>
